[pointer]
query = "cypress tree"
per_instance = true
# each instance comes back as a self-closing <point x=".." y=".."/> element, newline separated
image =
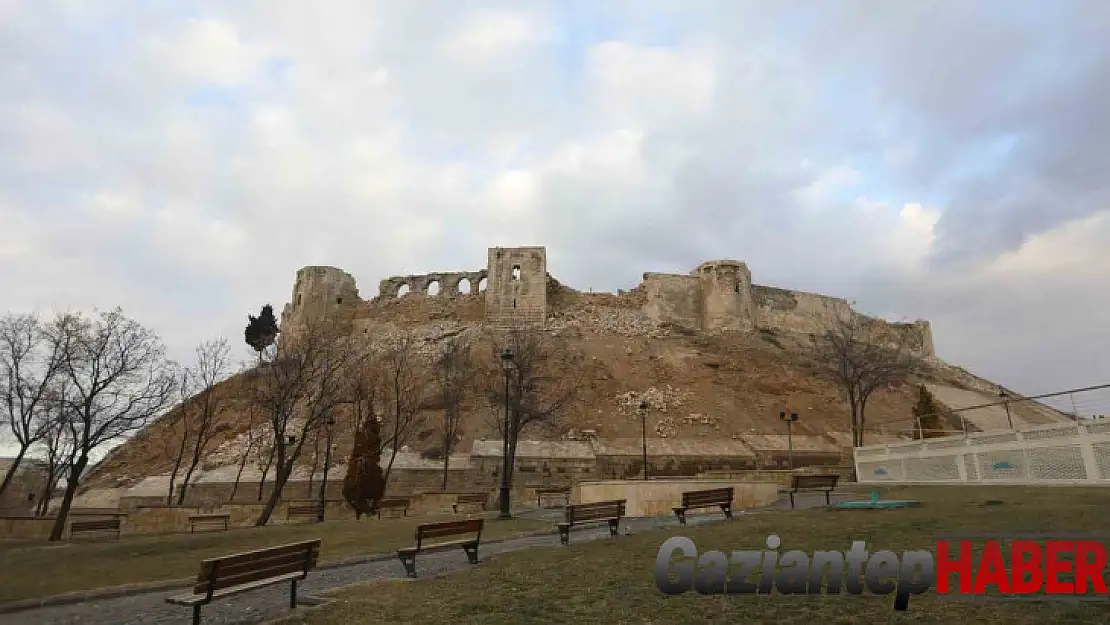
<point x="364" y="483"/>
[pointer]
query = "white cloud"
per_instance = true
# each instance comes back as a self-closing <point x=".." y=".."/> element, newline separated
<point x="491" y="35"/>
<point x="1075" y="252"/>
<point x="634" y="82"/>
<point x="388" y="138"/>
<point x="827" y="183"/>
<point x="209" y="51"/>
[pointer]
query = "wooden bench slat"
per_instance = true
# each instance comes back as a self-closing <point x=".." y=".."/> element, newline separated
<point x="252" y="575"/>
<point x="259" y="554"/>
<point x="438" y="546"/>
<point x="815" y="481"/>
<point x="107" y="524"/>
<point x="596" y="511"/>
<point x="230" y="570"/>
<point x="448" y="528"/>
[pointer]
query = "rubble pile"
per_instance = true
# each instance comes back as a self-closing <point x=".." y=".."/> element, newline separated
<point x="660" y="400"/>
<point x="607" y="320"/>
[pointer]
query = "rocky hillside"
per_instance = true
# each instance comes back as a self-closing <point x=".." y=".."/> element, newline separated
<point x="699" y="385"/>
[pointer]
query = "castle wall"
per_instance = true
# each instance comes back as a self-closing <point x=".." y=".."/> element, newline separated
<point x="726" y="295"/>
<point x="448" y="282"/>
<point x="320" y="293"/>
<point x="795" y="311"/>
<point x="516" y="290"/>
<point x="918" y="335"/>
<point x="717" y="295"/>
<point x="673" y="298"/>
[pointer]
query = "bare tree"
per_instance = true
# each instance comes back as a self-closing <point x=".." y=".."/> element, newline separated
<point x="403" y="385"/>
<point x="119" y="378"/>
<point x="29" y="363"/>
<point x="544" y="377"/>
<point x="456" y="374"/>
<point x="304" y="382"/>
<point x="314" y="459"/>
<point x="265" y="458"/>
<point x="861" y="355"/>
<point x="246" y="453"/>
<point x="365" y="384"/>
<point x="59" y="448"/>
<point x="213" y="365"/>
<point x="175" y="435"/>
<point x="261" y="335"/>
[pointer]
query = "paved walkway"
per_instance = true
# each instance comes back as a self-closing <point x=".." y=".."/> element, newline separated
<point x="273" y="602"/>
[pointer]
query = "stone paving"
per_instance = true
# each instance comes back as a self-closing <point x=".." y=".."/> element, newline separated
<point x="273" y="602"/>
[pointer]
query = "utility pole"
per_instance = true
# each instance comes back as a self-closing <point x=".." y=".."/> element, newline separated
<point x="643" y="429"/>
<point x="1006" y="402"/>
<point x="789" y="419"/>
<point x="327" y="464"/>
<point x="507" y="367"/>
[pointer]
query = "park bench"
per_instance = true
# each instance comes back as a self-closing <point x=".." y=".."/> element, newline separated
<point x="711" y="498"/>
<point x="394" y="503"/>
<point x="242" y="572"/>
<point x="213" y="521"/>
<point x="99" y="526"/>
<point x="428" y="531"/>
<point x="470" y="499"/>
<point x="303" y="511"/>
<point x="598" y="512"/>
<point x="805" y="483"/>
<point x="548" y="493"/>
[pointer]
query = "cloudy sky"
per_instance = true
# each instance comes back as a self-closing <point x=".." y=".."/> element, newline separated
<point x="939" y="160"/>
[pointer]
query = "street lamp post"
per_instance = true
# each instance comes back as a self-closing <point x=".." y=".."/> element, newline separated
<point x="1006" y="401"/>
<point x="789" y="419"/>
<point x="327" y="464"/>
<point x="506" y="366"/>
<point x="643" y="431"/>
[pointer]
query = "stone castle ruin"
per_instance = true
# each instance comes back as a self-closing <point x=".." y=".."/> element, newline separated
<point x="515" y="288"/>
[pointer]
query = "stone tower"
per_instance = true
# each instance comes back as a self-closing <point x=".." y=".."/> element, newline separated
<point x="319" y="293"/>
<point x="516" y="285"/>
<point x="726" y="294"/>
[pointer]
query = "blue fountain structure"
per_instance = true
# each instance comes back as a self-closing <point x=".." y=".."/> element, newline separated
<point x="877" y="504"/>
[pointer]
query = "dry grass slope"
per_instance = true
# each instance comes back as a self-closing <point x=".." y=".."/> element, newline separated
<point x="610" y="581"/>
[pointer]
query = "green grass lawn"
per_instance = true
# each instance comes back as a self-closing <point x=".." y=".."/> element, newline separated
<point x="42" y="570"/>
<point x="611" y="581"/>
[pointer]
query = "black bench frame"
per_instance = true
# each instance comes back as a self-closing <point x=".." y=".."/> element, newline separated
<point x="286" y="563"/>
<point x="393" y="503"/>
<point x="709" y="498"/>
<point x="819" y="482"/>
<point x="552" y="492"/>
<point x="99" y="526"/>
<point x="407" y="555"/>
<point x="609" y="512"/>
<point x="472" y="499"/>
<point x="209" y="519"/>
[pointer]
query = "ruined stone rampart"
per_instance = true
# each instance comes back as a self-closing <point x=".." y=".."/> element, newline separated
<point x="446" y="284"/>
<point x="515" y="288"/>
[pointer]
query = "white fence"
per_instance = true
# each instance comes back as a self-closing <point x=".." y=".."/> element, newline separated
<point x="1053" y="454"/>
